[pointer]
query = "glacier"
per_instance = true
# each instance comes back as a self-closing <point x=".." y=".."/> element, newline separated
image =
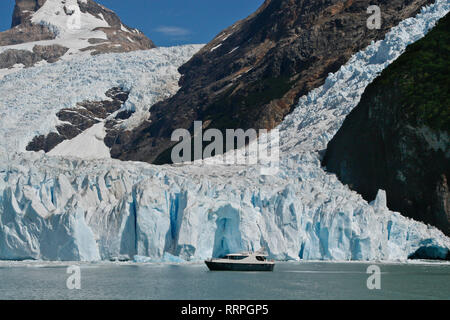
<point x="32" y="97"/>
<point x="69" y="208"/>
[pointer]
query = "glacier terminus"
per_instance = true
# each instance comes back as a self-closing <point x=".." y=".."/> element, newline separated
<point x="87" y="209"/>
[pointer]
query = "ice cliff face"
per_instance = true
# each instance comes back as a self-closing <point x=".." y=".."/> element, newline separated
<point x="60" y="209"/>
<point x="57" y="208"/>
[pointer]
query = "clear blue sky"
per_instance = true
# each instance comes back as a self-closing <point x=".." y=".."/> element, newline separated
<point x="169" y="22"/>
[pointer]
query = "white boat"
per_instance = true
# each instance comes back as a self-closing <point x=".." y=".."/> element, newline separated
<point x="245" y="261"/>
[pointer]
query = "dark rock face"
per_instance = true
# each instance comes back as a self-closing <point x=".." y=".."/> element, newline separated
<point x="119" y="41"/>
<point x="22" y="30"/>
<point x="398" y="137"/>
<point x="25" y="32"/>
<point x="51" y="53"/>
<point x="81" y="118"/>
<point x="23" y="10"/>
<point x="11" y="57"/>
<point x="251" y="74"/>
<point x="120" y="37"/>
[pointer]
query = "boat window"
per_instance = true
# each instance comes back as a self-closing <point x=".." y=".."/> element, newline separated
<point x="259" y="258"/>
<point x="236" y="257"/>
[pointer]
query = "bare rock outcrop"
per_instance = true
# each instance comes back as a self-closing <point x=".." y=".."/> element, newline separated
<point x="24" y="9"/>
<point x="51" y="53"/>
<point x="82" y="117"/>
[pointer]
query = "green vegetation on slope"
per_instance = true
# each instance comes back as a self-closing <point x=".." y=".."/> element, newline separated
<point x="422" y="74"/>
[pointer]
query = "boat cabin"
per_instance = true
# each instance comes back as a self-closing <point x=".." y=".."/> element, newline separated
<point x="241" y="256"/>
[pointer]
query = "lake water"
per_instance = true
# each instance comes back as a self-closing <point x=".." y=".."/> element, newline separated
<point x="290" y="280"/>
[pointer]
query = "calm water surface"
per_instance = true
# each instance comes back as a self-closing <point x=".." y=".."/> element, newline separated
<point x="309" y="280"/>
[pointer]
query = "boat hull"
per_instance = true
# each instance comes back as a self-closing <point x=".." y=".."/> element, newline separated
<point x="225" y="266"/>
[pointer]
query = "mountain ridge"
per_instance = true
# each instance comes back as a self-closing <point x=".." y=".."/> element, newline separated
<point x="251" y="74"/>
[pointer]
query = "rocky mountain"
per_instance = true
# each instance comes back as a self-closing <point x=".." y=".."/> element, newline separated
<point x="398" y="137"/>
<point x="47" y="30"/>
<point x="252" y="74"/>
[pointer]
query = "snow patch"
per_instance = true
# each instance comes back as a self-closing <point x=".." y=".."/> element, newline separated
<point x="87" y="145"/>
<point x="214" y="48"/>
<point x="233" y="50"/>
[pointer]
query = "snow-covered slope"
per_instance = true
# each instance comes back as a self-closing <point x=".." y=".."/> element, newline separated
<point x="77" y="22"/>
<point x="70" y="209"/>
<point x="75" y="30"/>
<point x="31" y="97"/>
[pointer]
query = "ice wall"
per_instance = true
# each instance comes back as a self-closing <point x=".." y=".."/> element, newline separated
<point x="60" y="209"/>
<point x="55" y="208"/>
